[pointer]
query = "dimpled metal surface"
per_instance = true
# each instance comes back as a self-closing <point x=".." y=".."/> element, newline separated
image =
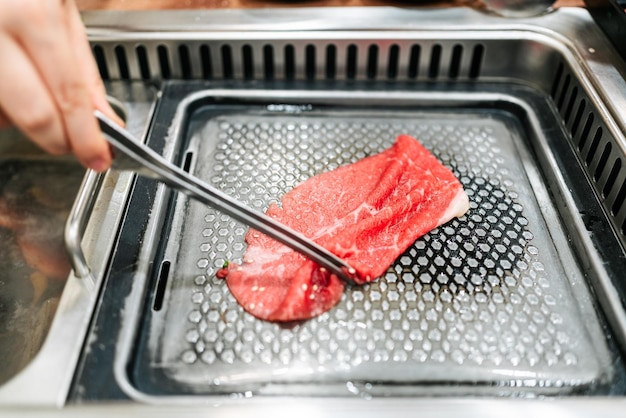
<point x="485" y="298"/>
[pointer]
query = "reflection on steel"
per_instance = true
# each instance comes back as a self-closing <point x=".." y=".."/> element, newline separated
<point x="562" y="54"/>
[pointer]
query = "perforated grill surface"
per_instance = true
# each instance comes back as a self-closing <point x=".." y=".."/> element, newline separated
<point x="484" y="299"/>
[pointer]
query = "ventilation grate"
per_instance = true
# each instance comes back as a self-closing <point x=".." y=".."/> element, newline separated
<point x="362" y="60"/>
<point x="446" y="60"/>
<point x="595" y="147"/>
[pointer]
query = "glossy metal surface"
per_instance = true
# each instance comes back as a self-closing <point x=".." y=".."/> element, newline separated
<point x="568" y="33"/>
<point x="36" y="194"/>
<point x="46" y="379"/>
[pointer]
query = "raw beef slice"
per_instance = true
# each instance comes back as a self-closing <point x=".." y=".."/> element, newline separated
<point x="367" y="213"/>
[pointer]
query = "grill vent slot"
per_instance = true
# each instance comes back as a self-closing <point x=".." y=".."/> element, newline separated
<point x="372" y="62"/>
<point x="142" y="62"/>
<point x="164" y="62"/>
<point x="101" y="61"/>
<point x="363" y="60"/>
<point x="589" y="136"/>
<point x="351" y="58"/>
<point x="310" y="62"/>
<point x="331" y="62"/>
<point x="435" y="58"/>
<point x="392" y="63"/>
<point x="414" y="62"/>
<point x="455" y="63"/>
<point x="477" y="61"/>
<point x="603" y="160"/>
<point x="227" y="62"/>
<point x="120" y="54"/>
<point x="185" y="62"/>
<point x="290" y="62"/>
<point x="205" y="60"/>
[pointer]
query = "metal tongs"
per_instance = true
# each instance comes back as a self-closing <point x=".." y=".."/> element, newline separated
<point x="131" y="155"/>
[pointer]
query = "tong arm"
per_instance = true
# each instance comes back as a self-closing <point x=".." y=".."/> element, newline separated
<point x="132" y="155"/>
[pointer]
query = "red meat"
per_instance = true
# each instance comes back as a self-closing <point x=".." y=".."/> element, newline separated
<point x="368" y="213"/>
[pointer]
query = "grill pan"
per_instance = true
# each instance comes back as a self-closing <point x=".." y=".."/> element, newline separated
<point x="516" y="298"/>
<point x="492" y="300"/>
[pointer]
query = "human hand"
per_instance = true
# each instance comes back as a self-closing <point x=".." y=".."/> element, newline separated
<point x="49" y="82"/>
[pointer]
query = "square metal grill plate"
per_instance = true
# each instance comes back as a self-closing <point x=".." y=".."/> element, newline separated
<point x="492" y="302"/>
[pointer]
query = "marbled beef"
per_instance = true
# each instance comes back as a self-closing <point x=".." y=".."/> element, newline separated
<point x="367" y="213"/>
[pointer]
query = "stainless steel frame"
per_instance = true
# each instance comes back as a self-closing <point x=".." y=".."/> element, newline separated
<point x="562" y="53"/>
<point x="46" y="380"/>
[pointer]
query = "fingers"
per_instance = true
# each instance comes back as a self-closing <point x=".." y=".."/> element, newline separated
<point x="58" y="81"/>
<point x="27" y="103"/>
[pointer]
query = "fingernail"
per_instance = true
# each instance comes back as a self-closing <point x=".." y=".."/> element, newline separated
<point x="113" y="114"/>
<point x="98" y="164"/>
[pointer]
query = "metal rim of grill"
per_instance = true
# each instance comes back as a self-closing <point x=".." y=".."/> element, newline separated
<point x="544" y="53"/>
<point x="408" y="59"/>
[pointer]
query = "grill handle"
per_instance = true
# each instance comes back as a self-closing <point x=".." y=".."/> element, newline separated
<point x="77" y="223"/>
